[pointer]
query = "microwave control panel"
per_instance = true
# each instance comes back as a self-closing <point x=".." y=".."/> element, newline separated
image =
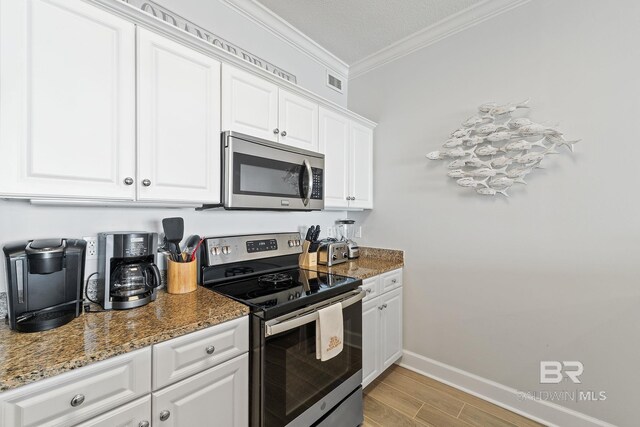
<point x="318" y="181"/>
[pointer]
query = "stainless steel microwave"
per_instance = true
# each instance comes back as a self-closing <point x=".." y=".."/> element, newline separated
<point x="260" y="174"/>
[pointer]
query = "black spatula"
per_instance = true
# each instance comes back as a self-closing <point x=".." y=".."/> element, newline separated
<point x="174" y="232"/>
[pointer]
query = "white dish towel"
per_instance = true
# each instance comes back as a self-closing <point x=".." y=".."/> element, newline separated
<point x="329" y="332"/>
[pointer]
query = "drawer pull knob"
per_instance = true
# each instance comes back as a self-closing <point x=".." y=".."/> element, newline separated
<point x="128" y="180"/>
<point x="144" y="423"/>
<point x="283" y="133"/>
<point x="368" y="291"/>
<point x="77" y="400"/>
<point x="394" y="280"/>
<point x="276" y="131"/>
<point x="210" y="349"/>
<point x="384" y="305"/>
<point x="164" y="415"/>
<point x="381" y="307"/>
<point x="146" y="182"/>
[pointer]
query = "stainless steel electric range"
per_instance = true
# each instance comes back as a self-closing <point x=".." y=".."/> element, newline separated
<point x="288" y="385"/>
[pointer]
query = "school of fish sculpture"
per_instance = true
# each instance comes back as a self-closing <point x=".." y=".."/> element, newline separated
<point x="501" y="150"/>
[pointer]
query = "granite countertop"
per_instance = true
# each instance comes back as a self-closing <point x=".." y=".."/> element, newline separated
<point x="372" y="262"/>
<point x="29" y="357"/>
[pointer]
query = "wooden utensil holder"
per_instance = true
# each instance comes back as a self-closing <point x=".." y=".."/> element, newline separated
<point x="182" y="277"/>
<point x="307" y="259"/>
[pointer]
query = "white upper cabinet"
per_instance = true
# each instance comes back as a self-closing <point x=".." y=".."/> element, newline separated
<point x="361" y="167"/>
<point x="298" y="121"/>
<point x="259" y="108"/>
<point x="334" y="143"/>
<point x="348" y="149"/>
<point x="67" y="109"/>
<point x="249" y="104"/>
<point x="178" y="122"/>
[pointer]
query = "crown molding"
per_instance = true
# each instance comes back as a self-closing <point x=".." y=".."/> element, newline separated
<point x="449" y="26"/>
<point x="273" y="23"/>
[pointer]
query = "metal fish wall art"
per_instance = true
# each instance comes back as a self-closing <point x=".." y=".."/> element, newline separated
<point x="493" y="150"/>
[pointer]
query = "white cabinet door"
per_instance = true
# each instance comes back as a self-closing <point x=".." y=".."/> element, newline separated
<point x="334" y="144"/>
<point x="371" y="315"/>
<point x="249" y="104"/>
<point x="133" y="414"/>
<point x="391" y="327"/>
<point x="298" y="121"/>
<point x="361" y="167"/>
<point x="218" y="397"/>
<point x="67" y="109"/>
<point x="178" y="122"/>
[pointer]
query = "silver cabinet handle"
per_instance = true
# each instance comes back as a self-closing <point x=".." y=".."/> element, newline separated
<point x="144" y="423"/>
<point x="284" y="133"/>
<point x="384" y="305"/>
<point x="276" y="131"/>
<point x="146" y="182"/>
<point x="128" y="180"/>
<point x="164" y="415"/>
<point x="394" y="280"/>
<point x="210" y="349"/>
<point x="77" y="400"/>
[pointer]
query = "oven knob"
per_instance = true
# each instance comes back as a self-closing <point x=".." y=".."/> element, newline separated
<point x="345" y="255"/>
<point x="297" y="242"/>
<point x="291" y="297"/>
<point x="225" y="250"/>
<point x="334" y="257"/>
<point x="292" y="243"/>
<point x="215" y="250"/>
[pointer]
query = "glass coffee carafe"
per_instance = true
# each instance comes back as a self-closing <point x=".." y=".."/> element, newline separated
<point x="134" y="279"/>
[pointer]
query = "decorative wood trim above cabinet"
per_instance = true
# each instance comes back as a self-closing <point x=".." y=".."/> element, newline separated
<point x="150" y="22"/>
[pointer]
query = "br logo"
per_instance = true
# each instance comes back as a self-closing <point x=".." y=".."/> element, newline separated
<point x="552" y="371"/>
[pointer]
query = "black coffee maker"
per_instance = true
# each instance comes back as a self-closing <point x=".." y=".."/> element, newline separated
<point x="127" y="273"/>
<point x="45" y="279"/>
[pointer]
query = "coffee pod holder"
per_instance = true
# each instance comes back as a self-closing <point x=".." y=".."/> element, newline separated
<point x="182" y="277"/>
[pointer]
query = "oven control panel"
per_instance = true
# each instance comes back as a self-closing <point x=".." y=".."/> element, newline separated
<point x="225" y="250"/>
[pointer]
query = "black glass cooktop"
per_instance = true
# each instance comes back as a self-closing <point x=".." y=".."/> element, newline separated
<point x="279" y="292"/>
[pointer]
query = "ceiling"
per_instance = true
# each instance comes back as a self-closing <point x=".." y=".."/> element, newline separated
<point x="355" y="29"/>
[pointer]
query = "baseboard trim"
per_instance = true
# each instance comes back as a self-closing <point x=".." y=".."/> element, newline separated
<point x="546" y="413"/>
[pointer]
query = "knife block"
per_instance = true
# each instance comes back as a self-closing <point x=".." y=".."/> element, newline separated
<point x="307" y="259"/>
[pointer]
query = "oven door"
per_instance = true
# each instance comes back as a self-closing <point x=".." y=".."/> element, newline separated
<point x="260" y="174"/>
<point x="298" y="389"/>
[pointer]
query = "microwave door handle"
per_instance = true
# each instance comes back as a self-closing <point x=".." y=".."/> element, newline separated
<point x="309" y="174"/>
<point x="274" y="327"/>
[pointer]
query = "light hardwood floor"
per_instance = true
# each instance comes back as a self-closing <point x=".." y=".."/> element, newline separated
<point x="400" y="397"/>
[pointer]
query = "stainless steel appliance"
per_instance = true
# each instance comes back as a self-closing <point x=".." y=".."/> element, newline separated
<point x="332" y="253"/>
<point x="347" y="232"/>
<point x="45" y="279"/>
<point x="260" y="174"/>
<point x="127" y="273"/>
<point x="288" y="385"/>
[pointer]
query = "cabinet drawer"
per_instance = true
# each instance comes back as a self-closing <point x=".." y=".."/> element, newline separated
<point x="132" y="414"/>
<point x="370" y="286"/>
<point x="93" y="389"/>
<point x="218" y="396"/>
<point x="181" y="357"/>
<point x="391" y="280"/>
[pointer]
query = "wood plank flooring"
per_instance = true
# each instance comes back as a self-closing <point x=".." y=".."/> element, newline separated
<point x="400" y="397"/>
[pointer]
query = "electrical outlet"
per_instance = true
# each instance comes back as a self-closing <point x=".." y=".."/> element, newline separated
<point x="358" y="232"/>
<point x="92" y="247"/>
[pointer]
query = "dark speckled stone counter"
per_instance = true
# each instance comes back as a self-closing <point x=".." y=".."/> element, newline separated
<point x="29" y="357"/>
<point x="372" y="262"/>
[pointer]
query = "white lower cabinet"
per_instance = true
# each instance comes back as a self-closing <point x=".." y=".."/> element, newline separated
<point x="217" y="396"/>
<point x="381" y="325"/>
<point x="134" y="414"/>
<point x="207" y="384"/>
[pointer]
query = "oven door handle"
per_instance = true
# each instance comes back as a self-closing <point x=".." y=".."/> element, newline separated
<point x="309" y="173"/>
<point x="288" y="322"/>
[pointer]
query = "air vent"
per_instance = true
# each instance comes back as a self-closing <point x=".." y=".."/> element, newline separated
<point x="334" y="82"/>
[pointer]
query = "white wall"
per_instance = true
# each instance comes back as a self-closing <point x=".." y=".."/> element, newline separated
<point x="494" y="285"/>
<point x="219" y="18"/>
<point x="22" y="221"/>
